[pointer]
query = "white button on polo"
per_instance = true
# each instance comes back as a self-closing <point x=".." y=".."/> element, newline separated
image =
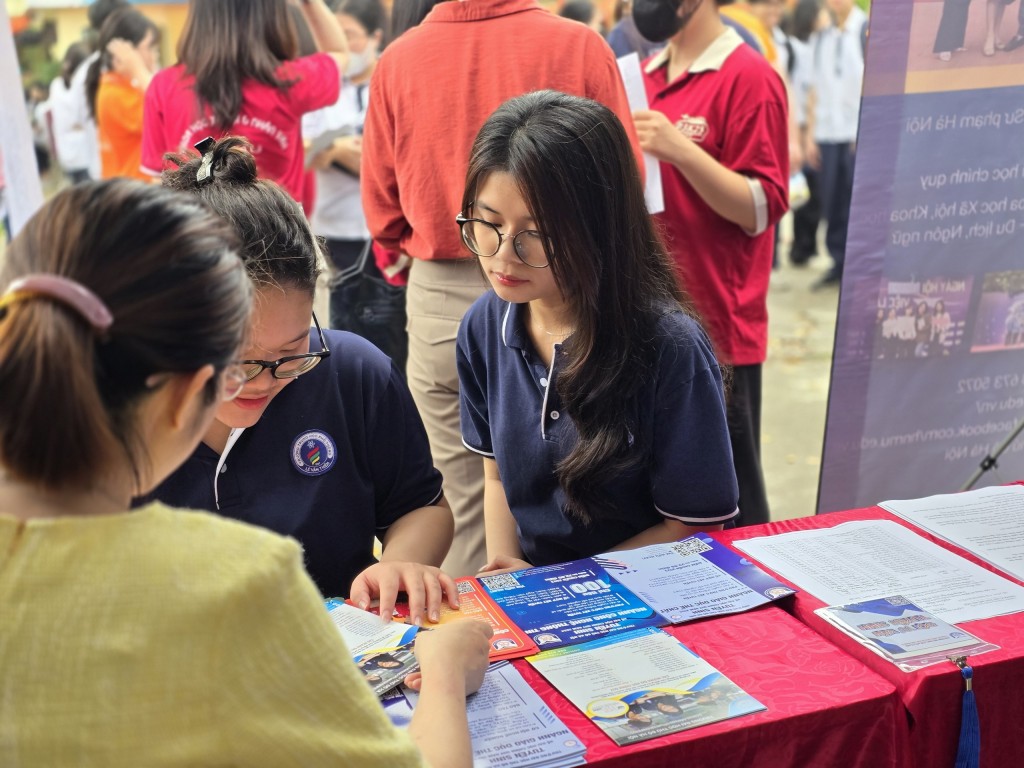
<point x="223" y="468"/>
<point x="543" y="382"/>
<point x="555" y="415"/>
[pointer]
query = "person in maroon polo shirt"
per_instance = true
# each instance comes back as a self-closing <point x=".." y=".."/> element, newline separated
<point x="718" y="122"/>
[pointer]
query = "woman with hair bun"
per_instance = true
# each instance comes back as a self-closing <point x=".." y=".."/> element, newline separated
<point x="324" y="443"/>
<point x="240" y="73"/>
<point x="159" y="636"/>
<point x="586" y="382"/>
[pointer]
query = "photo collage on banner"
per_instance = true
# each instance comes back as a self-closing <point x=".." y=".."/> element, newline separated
<point x="928" y="373"/>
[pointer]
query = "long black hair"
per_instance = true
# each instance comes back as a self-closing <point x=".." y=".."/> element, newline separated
<point x="576" y="170"/>
<point x="226" y="42"/>
<point x="277" y="245"/>
<point x="167" y="269"/>
<point x="124" y="24"/>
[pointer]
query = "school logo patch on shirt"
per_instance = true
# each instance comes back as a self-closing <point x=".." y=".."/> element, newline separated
<point x="693" y="128"/>
<point x="314" y="453"/>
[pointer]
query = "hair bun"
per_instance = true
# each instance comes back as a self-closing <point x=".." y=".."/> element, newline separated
<point x="232" y="162"/>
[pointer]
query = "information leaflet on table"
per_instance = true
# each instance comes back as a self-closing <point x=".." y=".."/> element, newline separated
<point x="644" y="684"/>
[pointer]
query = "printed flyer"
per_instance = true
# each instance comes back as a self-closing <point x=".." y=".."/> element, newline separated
<point x="508" y="641"/>
<point x="510" y="725"/>
<point x="693" y="578"/>
<point x="640" y="685"/>
<point x="383" y="652"/>
<point x="905" y="634"/>
<point x="568" y="603"/>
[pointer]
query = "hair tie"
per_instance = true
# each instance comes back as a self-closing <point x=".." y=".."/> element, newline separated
<point x="64" y="290"/>
<point x="205" y="148"/>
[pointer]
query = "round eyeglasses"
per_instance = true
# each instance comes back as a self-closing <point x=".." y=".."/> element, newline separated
<point x="291" y="366"/>
<point x="232" y="382"/>
<point x="484" y="239"/>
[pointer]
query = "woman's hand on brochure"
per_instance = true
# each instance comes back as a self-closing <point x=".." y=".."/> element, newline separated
<point x="425" y="585"/>
<point x="447" y="652"/>
<point x="503" y="564"/>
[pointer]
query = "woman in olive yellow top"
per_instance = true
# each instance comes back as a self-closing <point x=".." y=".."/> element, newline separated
<point x="160" y="637"/>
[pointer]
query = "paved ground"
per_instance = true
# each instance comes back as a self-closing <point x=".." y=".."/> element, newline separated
<point x="796" y="377"/>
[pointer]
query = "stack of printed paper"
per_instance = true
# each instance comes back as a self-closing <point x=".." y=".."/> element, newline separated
<point x="905" y="634"/>
<point x="510" y="725"/>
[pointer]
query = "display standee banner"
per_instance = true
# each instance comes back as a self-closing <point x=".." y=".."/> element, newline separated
<point x="928" y="370"/>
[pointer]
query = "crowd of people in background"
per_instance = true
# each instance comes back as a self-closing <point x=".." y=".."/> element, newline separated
<point x="520" y="366"/>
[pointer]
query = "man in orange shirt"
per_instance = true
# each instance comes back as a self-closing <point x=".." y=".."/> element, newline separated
<point x="416" y="145"/>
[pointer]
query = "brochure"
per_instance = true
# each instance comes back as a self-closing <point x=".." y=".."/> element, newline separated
<point x="905" y="634"/>
<point x="509" y="724"/>
<point x="568" y="603"/>
<point x="508" y="641"/>
<point x="383" y="652"/>
<point x="640" y="685"/>
<point x="693" y="578"/>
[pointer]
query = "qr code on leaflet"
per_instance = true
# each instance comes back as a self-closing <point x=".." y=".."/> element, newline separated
<point x="465" y="587"/>
<point x="690" y="547"/>
<point x="501" y="582"/>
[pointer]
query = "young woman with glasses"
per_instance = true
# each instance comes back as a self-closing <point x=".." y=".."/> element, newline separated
<point x="587" y="384"/>
<point x="161" y="636"/>
<point x="324" y="442"/>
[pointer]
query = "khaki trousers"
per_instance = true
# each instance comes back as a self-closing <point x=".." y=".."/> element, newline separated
<point x="438" y="295"/>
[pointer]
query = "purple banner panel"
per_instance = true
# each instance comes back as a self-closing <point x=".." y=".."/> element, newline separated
<point x="928" y="371"/>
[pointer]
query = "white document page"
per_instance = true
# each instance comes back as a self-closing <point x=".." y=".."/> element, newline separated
<point x="988" y="523"/>
<point x="363" y="631"/>
<point x="510" y="725"/>
<point x="633" y="80"/>
<point x="860" y="561"/>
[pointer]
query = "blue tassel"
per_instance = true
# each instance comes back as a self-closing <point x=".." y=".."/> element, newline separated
<point x="968" y="753"/>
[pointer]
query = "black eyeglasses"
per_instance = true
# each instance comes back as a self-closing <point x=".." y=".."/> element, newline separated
<point x="288" y="367"/>
<point x="485" y="239"/>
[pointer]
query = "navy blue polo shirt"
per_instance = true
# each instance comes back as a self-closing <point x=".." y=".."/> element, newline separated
<point x="338" y="456"/>
<point x="511" y="412"/>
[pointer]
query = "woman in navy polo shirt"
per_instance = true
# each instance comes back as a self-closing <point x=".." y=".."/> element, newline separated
<point x="587" y="384"/>
<point x="332" y="458"/>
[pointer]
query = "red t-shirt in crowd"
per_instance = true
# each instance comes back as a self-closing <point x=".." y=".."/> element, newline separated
<point x="733" y="104"/>
<point x="270" y="118"/>
<point x="432" y="91"/>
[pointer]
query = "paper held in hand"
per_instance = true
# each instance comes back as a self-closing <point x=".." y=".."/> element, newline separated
<point x="383" y="652"/>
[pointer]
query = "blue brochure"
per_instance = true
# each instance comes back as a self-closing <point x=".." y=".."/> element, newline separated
<point x="693" y="578"/>
<point x="569" y="603"/>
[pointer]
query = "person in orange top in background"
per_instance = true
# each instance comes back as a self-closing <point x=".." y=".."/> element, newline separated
<point x="116" y="85"/>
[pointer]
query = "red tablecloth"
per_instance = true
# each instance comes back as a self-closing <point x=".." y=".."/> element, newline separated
<point x="824" y="708"/>
<point x="932" y="695"/>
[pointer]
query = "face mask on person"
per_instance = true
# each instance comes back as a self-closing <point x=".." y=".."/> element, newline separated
<point x="360" y="62"/>
<point x="658" y="20"/>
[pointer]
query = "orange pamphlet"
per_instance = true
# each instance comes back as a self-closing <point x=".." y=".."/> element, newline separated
<point x="508" y="641"/>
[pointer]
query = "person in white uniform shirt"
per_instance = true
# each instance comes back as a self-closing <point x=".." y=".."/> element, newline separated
<point x="833" y="114"/>
<point x="69" y="129"/>
<point x="98" y="13"/>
